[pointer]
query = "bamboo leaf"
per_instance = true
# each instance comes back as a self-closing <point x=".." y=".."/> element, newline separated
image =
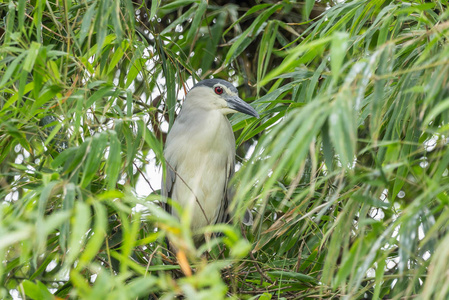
<point x="31" y="56"/>
<point x="95" y="152"/>
<point x="194" y="28"/>
<point x="338" y="52"/>
<point x="113" y="164"/>
<point x="99" y="233"/>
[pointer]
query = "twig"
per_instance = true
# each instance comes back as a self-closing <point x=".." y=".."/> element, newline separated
<point x="143" y="175"/>
<point x="256" y="264"/>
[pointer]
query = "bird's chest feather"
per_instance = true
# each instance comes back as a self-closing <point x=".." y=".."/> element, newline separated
<point x="213" y="134"/>
<point x="202" y="134"/>
<point x="202" y="156"/>
<point x="208" y="148"/>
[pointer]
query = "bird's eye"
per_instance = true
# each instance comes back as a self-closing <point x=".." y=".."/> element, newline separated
<point x="218" y="90"/>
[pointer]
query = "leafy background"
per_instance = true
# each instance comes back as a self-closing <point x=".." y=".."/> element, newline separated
<point x="345" y="171"/>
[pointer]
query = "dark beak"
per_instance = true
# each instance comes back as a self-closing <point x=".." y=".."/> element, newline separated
<point x="239" y="105"/>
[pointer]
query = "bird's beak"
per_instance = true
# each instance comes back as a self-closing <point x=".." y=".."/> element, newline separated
<point x="237" y="104"/>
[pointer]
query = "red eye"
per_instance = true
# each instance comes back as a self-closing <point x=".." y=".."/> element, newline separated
<point x="218" y="90"/>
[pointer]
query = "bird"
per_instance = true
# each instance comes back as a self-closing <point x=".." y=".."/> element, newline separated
<point x="200" y="155"/>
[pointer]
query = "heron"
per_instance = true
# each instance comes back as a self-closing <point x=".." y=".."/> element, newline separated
<point x="200" y="154"/>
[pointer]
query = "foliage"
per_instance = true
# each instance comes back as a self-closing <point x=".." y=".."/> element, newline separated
<point x="346" y="170"/>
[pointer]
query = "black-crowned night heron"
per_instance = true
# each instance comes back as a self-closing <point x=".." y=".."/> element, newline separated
<point x="200" y="153"/>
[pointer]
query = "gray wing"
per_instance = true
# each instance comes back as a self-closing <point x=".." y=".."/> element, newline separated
<point x="167" y="187"/>
<point x="229" y="193"/>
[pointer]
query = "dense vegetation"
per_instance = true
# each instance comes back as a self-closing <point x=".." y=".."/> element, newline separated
<point x="346" y="171"/>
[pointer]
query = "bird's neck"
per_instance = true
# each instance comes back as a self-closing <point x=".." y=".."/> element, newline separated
<point x="208" y="127"/>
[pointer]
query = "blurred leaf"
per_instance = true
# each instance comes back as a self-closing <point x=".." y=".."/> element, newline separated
<point x="291" y="275"/>
<point x="342" y="132"/>
<point x="37" y="291"/>
<point x="308" y="8"/>
<point x="80" y="226"/>
<point x="99" y="232"/>
<point x="302" y="53"/>
<point x="31" y="57"/>
<point x="113" y="165"/>
<point x="338" y="52"/>
<point x="194" y="28"/>
<point x="95" y="151"/>
<point x="249" y="34"/>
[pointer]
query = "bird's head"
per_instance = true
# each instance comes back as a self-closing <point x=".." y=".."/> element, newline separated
<point x="218" y="94"/>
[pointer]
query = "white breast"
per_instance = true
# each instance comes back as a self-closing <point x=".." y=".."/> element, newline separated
<point x="201" y="149"/>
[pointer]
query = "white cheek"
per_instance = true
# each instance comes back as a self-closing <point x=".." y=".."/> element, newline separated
<point x="220" y="102"/>
<point x="226" y="111"/>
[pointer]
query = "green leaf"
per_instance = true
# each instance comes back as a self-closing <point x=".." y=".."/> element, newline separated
<point x="118" y="55"/>
<point x="282" y="275"/>
<point x="31" y="56"/>
<point x="266" y="49"/>
<point x="328" y="151"/>
<point x="250" y="34"/>
<point x="67" y="206"/>
<point x="36" y="291"/>
<point x="134" y="70"/>
<point x="301" y="54"/>
<point x="113" y="164"/>
<point x="80" y="226"/>
<point x="342" y="131"/>
<point x="338" y="52"/>
<point x="169" y="73"/>
<point x="86" y="23"/>
<point x="370" y="201"/>
<point x="95" y="151"/>
<point x="194" y="28"/>
<point x="264" y="296"/>
<point x="178" y="3"/>
<point x="99" y="232"/>
<point x="103" y="92"/>
<point x="154" y="7"/>
<point x="212" y="42"/>
<point x="21" y="14"/>
<point x="12" y="68"/>
<point x="308" y="8"/>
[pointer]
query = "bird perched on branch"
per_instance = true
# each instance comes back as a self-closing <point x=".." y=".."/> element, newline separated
<point x="200" y="154"/>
